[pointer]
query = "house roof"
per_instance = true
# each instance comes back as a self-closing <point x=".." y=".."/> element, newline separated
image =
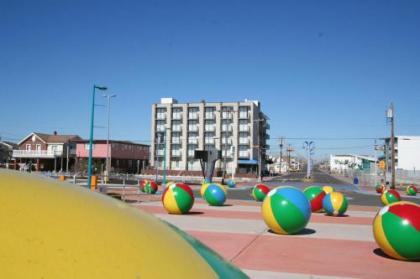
<point x="8" y="144"/>
<point x="48" y="138"/>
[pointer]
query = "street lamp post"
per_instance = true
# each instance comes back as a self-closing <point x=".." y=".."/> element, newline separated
<point x="92" y="119"/>
<point x="165" y="138"/>
<point x="156" y="154"/>
<point x="108" y="163"/>
<point x="230" y="112"/>
<point x="309" y="146"/>
<point x="259" y="120"/>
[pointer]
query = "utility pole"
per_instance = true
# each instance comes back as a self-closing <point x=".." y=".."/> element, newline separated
<point x="390" y="117"/>
<point x="281" y="154"/>
<point x="289" y="151"/>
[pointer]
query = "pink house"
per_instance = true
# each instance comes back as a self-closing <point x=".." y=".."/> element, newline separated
<point x="126" y="156"/>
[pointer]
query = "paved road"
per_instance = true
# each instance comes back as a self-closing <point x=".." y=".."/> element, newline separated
<point x="355" y="196"/>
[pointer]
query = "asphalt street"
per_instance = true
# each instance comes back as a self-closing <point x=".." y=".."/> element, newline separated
<point x="355" y="196"/>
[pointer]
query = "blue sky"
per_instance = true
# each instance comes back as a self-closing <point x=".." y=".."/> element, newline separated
<point x="320" y="68"/>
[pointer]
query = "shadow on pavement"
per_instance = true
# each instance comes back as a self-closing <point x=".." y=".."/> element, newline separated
<point x="305" y="231"/>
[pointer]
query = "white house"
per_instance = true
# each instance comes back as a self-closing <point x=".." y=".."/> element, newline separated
<point x="344" y="162"/>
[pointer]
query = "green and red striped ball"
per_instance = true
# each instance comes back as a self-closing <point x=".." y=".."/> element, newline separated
<point x="148" y="186"/>
<point x="286" y="210"/>
<point x="396" y="229"/>
<point x="259" y="192"/>
<point x="390" y="196"/>
<point x="380" y="188"/>
<point x="411" y="190"/>
<point x="178" y="198"/>
<point x="214" y="194"/>
<point x="315" y="195"/>
<point x="335" y="204"/>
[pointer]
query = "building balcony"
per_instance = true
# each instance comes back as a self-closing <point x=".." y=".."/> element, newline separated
<point x="192" y="141"/>
<point x="193" y="116"/>
<point x="210" y="115"/>
<point x="210" y="128"/>
<point x="244" y="154"/>
<point x="193" y="128"/>
<point x="176" y="116"/>
<point x="160" y="152"/>
<point x="43" y="154"/>
<point x="244" y="141"/>
<point x="191" y="153"/>
<point x="176" y="153"/>
<point x="209" y="141"/>
<point x="161" y="116"/>
<point x="243" y="115"/>
<point x="243" y="128"/>
<point x="161" y="128"/>
<point x="177" y="128"/>
<point x="227" y="128"/>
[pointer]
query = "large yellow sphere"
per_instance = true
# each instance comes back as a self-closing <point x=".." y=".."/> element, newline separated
<point x="52" y="229"/>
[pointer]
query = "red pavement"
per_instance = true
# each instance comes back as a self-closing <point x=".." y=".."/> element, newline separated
<point x="302" y="255"/>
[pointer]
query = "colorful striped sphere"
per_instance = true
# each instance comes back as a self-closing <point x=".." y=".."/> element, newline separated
<point x="335" y="203"/>
<point x="118" y="241"/>
<point x="148" y="186"/>
<point x="411" y="190"/>
<point x="396" y="229"/>
<point x="380" y="188"/>
<point x="259" y="192"/>
<point x="286" y="210"/>
<point x="328" y="189"/>
<point x="390" y="196"/>
<point x="315" y="195"/>
<point x="178" y="198"/>
<point x="231" y="183"/>
<point x="215" y="194"/>
<point x="203" y="189"/>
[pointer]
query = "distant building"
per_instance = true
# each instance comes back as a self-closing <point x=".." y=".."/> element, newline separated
<point x="126" y="156"/>
<point x="6" y="153"/>
<point x="407" y="153"/>
<point x="238" y="129"/>
<point x="46" y="152"/>
<point x="345" y="162"/>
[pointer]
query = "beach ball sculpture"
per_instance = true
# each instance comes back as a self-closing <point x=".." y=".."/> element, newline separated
<point x="259" y="192"/>
<point x="396" y="229"/>
<point x="178" y="198"/>
<point x="411" y="190"/>
<point x="390" y="196"/>
<point x="231" y="183"/>
<point x="379" y="188"/>
<point x="335" y="204"/>
<point x="53" y="251"/>
<point x="203" y="189"/>
<point x="315" y="195"/>
<point x="286" y="210"/>
<point x="215" y="194"/>
<point x="328" y="189"/>
<point x="148" y="186"/>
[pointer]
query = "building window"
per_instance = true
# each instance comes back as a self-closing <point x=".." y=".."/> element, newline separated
<point x="28" y="147"/>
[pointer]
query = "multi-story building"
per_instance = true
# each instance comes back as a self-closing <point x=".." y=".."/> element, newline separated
<point x="237" y="129"/>
<point x="407" y="153"/>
